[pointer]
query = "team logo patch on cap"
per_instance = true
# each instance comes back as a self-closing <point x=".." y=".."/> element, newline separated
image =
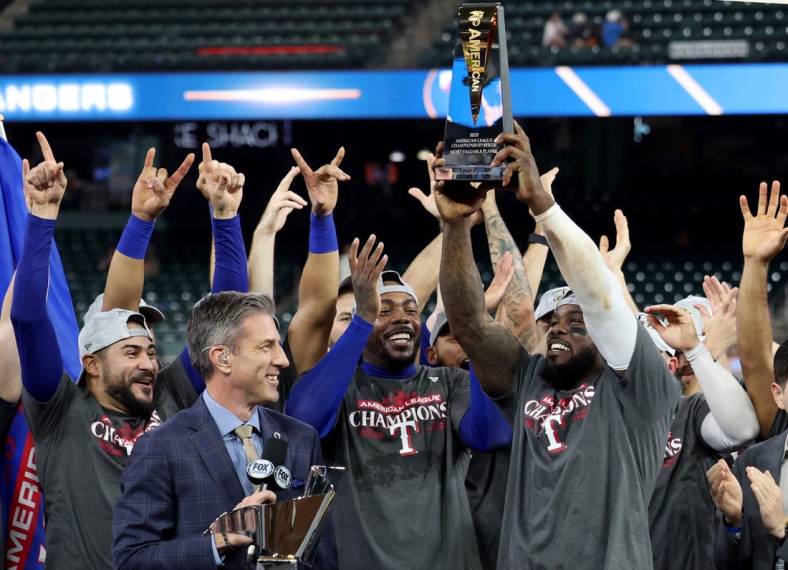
<point x="260" y="468"/>
<point x="283" y="477"/>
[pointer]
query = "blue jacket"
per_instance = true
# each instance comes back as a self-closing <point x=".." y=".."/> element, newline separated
<point x="180" y="477"/>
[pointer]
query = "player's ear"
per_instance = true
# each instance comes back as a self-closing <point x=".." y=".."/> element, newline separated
<point x="432" y="356"/>
<point x="778" y="393"/>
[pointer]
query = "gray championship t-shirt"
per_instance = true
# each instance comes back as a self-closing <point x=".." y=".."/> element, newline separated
<point x="402" y="501"/>
<point x="681" y="512"/>
<point x="584" y="463"/>
<point x="81" y="450"/>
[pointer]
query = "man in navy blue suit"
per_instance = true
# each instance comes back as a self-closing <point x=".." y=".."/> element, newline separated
<point x="193" y="468"/>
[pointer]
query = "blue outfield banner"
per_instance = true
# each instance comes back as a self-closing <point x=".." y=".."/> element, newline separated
<point x="730" y="89"/>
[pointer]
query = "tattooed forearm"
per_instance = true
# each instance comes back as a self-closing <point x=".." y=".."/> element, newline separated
<point x="461" y="285"/>
<point x="490" y="346"/>
<point x="518" y="302"/>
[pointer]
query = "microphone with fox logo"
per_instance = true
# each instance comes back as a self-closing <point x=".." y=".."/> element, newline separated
<point x="269" y="471"/>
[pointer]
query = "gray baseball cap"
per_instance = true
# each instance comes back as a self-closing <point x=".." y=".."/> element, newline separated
<point x="152" y="314"/>
<point x="550" y="300"/>
<point x="441" y="322"/>
<point x="108" y="327"/>
<point x="401" y="286"/>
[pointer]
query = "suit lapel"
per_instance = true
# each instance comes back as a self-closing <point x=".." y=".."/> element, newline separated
<point x="270" y="427"/>
<point x="210" y="445"/>
<point x="773" y="457"/>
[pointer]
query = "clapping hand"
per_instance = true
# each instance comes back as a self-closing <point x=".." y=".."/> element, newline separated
<point x="725" y="492"/>
<point x="719" y="327"/>
<point x="770" y="500"/>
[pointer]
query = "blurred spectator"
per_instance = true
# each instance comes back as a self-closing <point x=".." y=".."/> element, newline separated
<point x="614" y="30"/>
<point x="580" y="32"/>
<point x="555" y="32"/>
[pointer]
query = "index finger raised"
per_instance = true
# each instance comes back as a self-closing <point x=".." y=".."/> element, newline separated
<point x="46" y="150"/>
<point x="207" y="158"/>
<point x="183" y="169"/>
<point x="338" y="158"/>
<point x="305" y="169"/>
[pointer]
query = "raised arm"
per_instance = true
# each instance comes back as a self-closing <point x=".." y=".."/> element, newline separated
<point x="223" y="187"/>
<point x="518" y="301"/>
<point x="763" y="238"/>
<point x="44" y="188"/>
<point x="732" y="422"/>
<point x="310" y="328"/>
<point x="610" y="322"/>
<point x="491" y="347"/>
<point x="261" y="254"/>
<point x="535" y="256"/>
<point x="317" y="397"/>
<point x="422" y="273"/>
<point x="151" y="195"/>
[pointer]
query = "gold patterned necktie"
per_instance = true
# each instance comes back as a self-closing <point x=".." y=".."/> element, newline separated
<point x="244" y="432"/>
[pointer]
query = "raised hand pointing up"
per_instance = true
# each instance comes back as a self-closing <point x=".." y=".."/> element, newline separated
<point x="154" y="189"/>
<point x="322" y="184"/>
<point x="220" y="184"/>
<point x="45" y="184"/>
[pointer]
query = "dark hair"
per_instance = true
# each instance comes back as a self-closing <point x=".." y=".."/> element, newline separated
<point x="781" y="365"/>
<point x="345" y="286"/>
<point x="215" y="320"/>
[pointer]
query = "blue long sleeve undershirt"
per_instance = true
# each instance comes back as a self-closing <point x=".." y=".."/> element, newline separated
<point x="39" y="355"/>
<point x="230" y="274"/>
<point x="483" y="427"/>
<point x="316" y="399"/>
<point x="317" y="396"/>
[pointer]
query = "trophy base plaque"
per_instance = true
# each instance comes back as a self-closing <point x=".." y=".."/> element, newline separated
<point x="470" y="173"/>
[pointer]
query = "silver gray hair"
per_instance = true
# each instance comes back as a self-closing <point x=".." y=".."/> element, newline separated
<point x="216" y="319"/>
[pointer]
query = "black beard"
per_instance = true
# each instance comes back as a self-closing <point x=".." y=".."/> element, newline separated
<point x="571" y="373"/>
<point x="123" y="395"/>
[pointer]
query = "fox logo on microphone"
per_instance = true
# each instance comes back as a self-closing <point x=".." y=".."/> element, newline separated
<point x="283" y="477"/>
<point x="260" y="469"/>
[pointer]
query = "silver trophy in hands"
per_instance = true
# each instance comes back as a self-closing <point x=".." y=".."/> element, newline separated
<point x="286" y="532"/>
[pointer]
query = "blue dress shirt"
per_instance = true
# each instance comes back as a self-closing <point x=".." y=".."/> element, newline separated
<point x="227" y="422"/>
